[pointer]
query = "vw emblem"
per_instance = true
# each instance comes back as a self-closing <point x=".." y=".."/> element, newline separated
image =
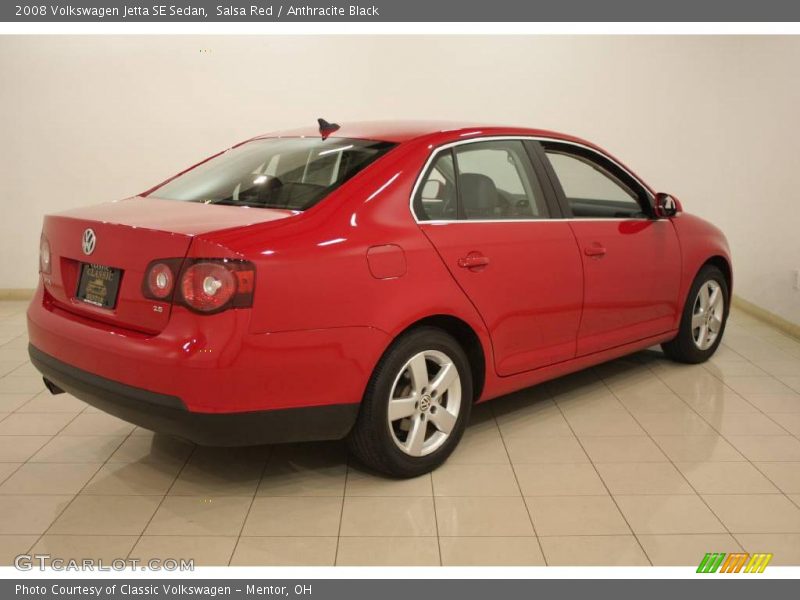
<point x="89" y="241"/>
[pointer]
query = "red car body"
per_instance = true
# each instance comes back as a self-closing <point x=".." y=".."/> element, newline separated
<point x="337" y="283"/>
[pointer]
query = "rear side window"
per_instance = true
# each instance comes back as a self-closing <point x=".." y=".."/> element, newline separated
<point x="290" y="173"/>
<point x="490" y="180"/>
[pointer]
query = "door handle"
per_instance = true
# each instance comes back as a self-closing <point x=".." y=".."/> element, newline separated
<point x="473" y="260"/>
<point x="596" y="251"/>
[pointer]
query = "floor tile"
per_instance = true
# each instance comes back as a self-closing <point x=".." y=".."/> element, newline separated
<point x="685" y="550"/>
<point x="474" y="480"/>
<point x="643" y="478"/>
<point x="309" y="475"/>
<point x="388" y="517"/>
<point x="776" y="403"/>
<point x="719" y="402"/>
<point x="480" y="446"/>
<point x="568" y="479"/>
<point x="11" y="402"/>
<point x="204" y="551"/>
<point x="545" y="449"/>
<point x="745" y="424"/>
<point x="78" y="449"/>
<point x="766" y="447"/>
<point x="785" y="475"/>
<point x="756" y="513"/>
<point x="757" y="385"/>
<point x="675" y="423"/>
<point x="668" y="514"/>
<point x="576" y="515"/>
<point x="613" y="449"/>
<point x="198" y="515"/>
<point x="726" y="478"/>
<point x="617" y="422"/>
<point x="785" y="547"/>
<point x="46" y="478"/>
<point x="491" y="551"/>
<point x="19" y="448"/>
<point x="789" y="421"/>
<point x="285" y="551"/>
<point x="536" y="420"/>
<point x="637" y="401"/>
<point x="45" y="402"/>
<point x="596" y="550"/>
<point x="21" y="385"/>
<point x="152" y="448"/>
<point x="79" y="547"/>
<point x="96" y="424"/>
<point x="34" y="424"/>
<point x="361" y="482"/>
<point x="106" y="515"/>
<point x="221" y="472"/>
<point x="697" y="448"/>
<point x="294" y="516"/>
<point x="388" y="551"/>
<point x="30" y="514"/>
<point x="12" y="546"/>
<point x="132" y="479"/>
<point x="482" y="517"/>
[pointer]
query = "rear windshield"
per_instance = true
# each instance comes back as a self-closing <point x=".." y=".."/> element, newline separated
<point x="290" y="173"/>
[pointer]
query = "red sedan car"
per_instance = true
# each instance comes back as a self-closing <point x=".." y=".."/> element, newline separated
<point x="371" y="282"/>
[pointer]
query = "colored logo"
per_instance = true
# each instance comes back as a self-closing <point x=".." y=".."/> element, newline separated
<point x="736" y="562"/>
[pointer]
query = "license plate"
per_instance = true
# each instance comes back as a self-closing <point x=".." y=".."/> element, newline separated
<point x="99" y="285"/>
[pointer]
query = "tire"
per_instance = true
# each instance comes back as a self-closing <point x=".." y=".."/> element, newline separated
<point x="389" y="446"/>
<point x="685" y="347"/>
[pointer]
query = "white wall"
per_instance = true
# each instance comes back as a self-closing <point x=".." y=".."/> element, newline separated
<point x="713" y="120"/>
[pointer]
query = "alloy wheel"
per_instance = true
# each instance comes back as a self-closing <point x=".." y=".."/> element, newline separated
<point x="424" y="403"/>
<point x="707" y="314"/>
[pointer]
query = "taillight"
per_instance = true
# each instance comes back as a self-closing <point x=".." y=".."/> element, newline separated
<point x="204" y="285"/>
<point x="160" y="281"/>
<point x="44" y="255"/>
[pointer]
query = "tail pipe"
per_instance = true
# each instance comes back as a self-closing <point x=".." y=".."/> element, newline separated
<point x="54" y="389"/>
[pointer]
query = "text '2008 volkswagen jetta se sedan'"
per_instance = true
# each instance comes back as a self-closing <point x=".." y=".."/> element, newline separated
<point x="369" y="281"/>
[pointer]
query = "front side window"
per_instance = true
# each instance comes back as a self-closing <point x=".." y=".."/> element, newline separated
<point x="289" y="173"/>
<point x="591" y="189"/>
<point x="490" y="180"/>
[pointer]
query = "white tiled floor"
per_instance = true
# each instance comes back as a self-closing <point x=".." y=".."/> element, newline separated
<point x="636" y="462"/>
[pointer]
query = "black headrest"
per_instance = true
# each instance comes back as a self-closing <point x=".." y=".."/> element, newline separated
<point x="478" y="194"/>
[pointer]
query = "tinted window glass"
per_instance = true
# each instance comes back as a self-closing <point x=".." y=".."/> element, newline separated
<point x="436" y="195"/>
<point x="590" y="189"/>
<point x="291" y="173"/>
<point x="495" y="181"/>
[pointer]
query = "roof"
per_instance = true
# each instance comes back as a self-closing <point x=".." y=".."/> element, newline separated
<point x="402" y="131"/>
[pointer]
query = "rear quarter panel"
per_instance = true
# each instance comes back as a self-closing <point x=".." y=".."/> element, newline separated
<point x="313" y="273"/>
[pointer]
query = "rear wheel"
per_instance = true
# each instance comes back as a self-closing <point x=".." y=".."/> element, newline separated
<point x="416" y="405"/>
<point x="703" y="320"/>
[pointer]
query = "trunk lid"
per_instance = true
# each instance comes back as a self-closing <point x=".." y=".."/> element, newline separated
<point x="128" y="235"/>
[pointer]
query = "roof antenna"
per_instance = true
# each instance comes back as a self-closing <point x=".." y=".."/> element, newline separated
<point x="325" y="128"/>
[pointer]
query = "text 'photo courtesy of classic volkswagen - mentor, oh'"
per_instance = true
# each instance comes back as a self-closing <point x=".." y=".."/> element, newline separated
<point x="370" y="281"/>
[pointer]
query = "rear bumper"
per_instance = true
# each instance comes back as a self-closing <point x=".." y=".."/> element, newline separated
<point x="168" y="414"/>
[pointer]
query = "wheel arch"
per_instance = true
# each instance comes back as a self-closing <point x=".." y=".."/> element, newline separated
<point x="467" y="337"/>
<point x="723" y="265"/>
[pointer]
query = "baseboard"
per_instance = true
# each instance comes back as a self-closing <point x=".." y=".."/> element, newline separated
<point x="16" y="294"/>
<point x="762" y="314"/>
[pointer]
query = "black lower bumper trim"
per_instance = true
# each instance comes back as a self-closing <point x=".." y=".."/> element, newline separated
<point x="168" y="414"/>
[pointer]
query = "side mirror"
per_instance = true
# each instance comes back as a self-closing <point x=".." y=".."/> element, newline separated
<point x="666" y="206"/>
<point x="432" y="190"/>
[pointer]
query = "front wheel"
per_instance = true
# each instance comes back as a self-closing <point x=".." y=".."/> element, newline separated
<point x="416" y="405"/>
<point x="703" y="320"/>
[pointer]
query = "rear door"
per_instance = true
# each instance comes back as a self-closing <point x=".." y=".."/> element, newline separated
<point x="481" y="205"/>
<point x="631" y="261"/>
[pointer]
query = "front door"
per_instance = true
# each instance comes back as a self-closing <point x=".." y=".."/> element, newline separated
<point x="631" y="261"/>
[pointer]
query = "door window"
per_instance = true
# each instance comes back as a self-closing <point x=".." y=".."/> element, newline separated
<point x="496" y="182"/>
<point x="594" y="190"/>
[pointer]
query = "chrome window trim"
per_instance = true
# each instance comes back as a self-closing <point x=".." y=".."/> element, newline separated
<point x="495" y="138"/>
